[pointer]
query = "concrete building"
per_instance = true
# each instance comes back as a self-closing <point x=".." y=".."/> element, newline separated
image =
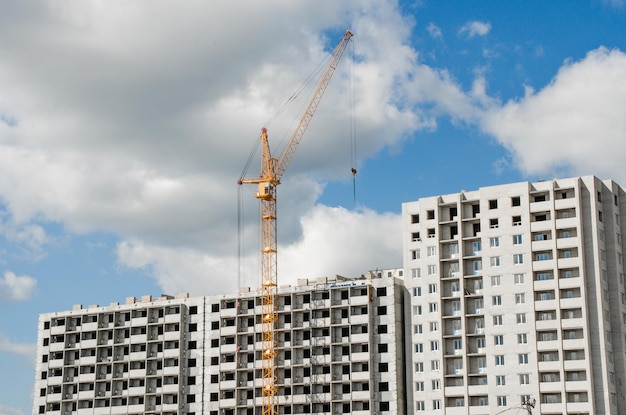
<point x="340" y="350"/>
<point x="517" y="295"/>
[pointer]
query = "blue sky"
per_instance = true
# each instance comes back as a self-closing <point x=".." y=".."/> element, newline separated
<point x="124" y="127"/>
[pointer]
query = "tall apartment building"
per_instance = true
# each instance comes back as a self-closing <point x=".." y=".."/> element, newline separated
<point x="340" y="350"/>
<point x="517" y="295"/>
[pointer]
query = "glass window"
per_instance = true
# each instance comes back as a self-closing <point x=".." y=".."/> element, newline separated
<point x="476" y="246"/>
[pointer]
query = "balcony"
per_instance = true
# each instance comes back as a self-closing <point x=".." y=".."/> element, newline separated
<point x="172" y="335"/>
<point x="476" y="390"/>
<point x="224" y="331"/>
<point x="89" y="327"/>
<point x="172" y="318"/>
<point x="571" y="302"/>
<point x="566" y="223"/>
<point x="359" y="300"/>
<point x="547" y="345"/>
<point x="543" y="245"/>
<point x="550" y="387"/>
<point x="579" y="407"/>
<point x="577" y="386"/>
<point x="560" y="204"/>
<point x="456" y="410"/>
<point x="550" y="408"/>
<point x="563" y="243"/>
<point x="358" y="376"/>
<point x="454" y="390"/>
<point x="575" y="364"/>
<point x="542" y="206"/>
<point x="479" y="410"/>
<point x="572" y="323"/>
<point x="549" y="366"/>
<point x="545" y="225"/>
<point x="547" y="324"/>
<point x="573" y="344"/>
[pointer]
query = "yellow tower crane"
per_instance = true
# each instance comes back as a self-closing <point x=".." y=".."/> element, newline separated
<point x="272" y="171"/>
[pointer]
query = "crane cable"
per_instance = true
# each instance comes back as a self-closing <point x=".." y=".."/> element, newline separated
<point x="353" y="142"/>
<point x="294" y="96"/>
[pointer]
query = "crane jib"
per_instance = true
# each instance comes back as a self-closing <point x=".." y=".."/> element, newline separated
<point x="272" y="170"/>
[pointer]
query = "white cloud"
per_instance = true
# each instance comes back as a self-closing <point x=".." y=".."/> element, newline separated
<point x="334" y="241"/>
<point x="434" y="31"/>
<point x="617" y="4"/>
<point x="573" y="126"/>
<point x="25" y="350"/>
<point x="7" y="410"/>
<point x="475" y="28"/>
<point x="135" y="119"/>
<point x="16" y="288"/>
<point x="30" y="239"/>
<point x="338" y="241"/>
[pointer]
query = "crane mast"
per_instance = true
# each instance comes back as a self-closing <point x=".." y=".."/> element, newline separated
<point x="272" y="170"/>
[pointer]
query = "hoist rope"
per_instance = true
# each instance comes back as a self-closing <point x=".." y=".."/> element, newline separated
<point x="353" y="135"/>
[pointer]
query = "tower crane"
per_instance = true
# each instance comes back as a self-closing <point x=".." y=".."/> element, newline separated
<point x="272" y="170"/>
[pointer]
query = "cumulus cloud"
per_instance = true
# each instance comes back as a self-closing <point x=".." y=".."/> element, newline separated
<point x="338" y="241"/>
<point x="573" y="126"/>
<point x="25" y="350"/>
<point x="16" y="288"/>
<point x="475" y="28"/>
<point x="333" y="241"/>
<point x="29" y="238"/>
<point x="136" y="119"/>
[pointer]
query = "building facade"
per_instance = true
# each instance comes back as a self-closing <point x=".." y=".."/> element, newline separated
<point x="517" y="298"/>
<point x="340" y="350"/>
